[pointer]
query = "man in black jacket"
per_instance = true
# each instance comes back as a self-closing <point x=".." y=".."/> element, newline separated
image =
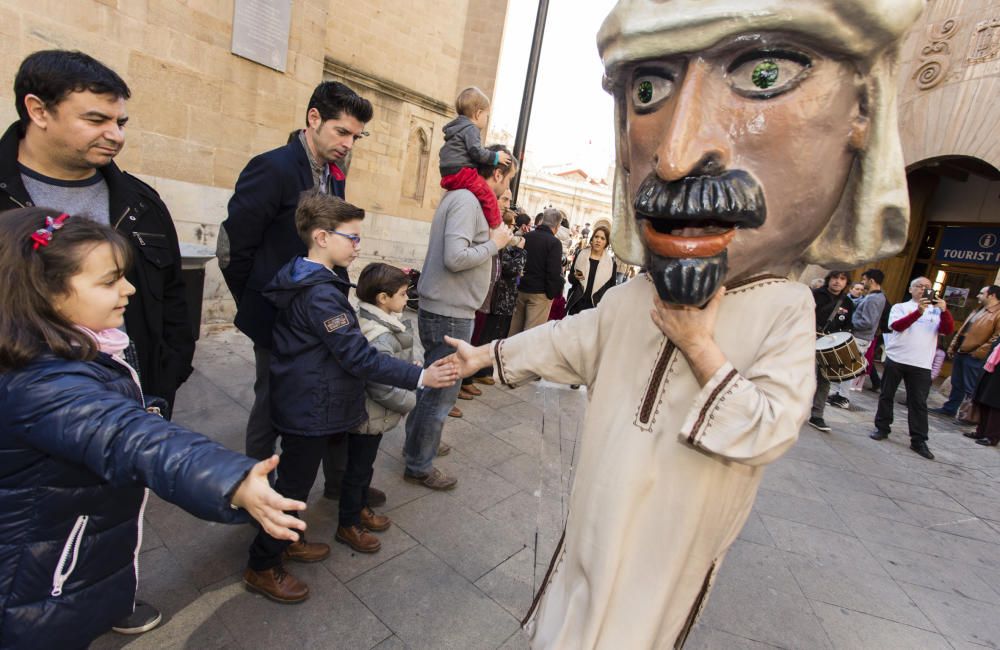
<point x="542" y="281"/>
<point x="259" y="237"/>
<point x="59" y="155"/>
<point x="834" y="309"/>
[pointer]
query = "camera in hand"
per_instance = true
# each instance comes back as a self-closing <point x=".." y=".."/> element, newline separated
<point x="931" y="295"/>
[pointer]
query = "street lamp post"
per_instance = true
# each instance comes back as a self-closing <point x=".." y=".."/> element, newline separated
<point x="529" y="94"/>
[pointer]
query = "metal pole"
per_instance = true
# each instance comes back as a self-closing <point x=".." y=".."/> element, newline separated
<point x="529" y="94"/>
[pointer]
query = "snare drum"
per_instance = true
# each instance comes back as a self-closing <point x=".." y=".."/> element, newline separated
<point x="838" y="357"/>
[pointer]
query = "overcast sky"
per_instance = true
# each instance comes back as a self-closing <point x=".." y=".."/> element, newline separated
<point x="571" y="119"/>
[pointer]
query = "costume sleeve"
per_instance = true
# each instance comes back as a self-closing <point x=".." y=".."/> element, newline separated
<point x="460" y="254"/>
<point x="754" y="416"/>
<point x="333" y="320"/>
<point x="254" y="204"/>
<point x="563" y="351"/>
<point x="115" y="438"/>
<point x="398" y="400"/>
<point x="471" y="138"/>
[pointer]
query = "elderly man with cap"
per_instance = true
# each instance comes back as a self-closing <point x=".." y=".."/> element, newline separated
<point x="753" y="136"/>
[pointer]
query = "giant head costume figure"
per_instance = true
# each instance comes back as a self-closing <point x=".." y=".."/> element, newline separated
<point x="754" y="136"/>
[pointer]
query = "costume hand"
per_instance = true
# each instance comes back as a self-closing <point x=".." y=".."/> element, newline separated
<point x="687" y="327"/>
<point x="258" y="498"/>
<point x="441" y="374"/>
<point x="500" y="236"/>
<point x="470" y="359"/>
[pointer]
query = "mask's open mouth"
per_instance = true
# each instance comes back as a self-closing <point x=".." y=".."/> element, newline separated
<point x="678" y="239"/>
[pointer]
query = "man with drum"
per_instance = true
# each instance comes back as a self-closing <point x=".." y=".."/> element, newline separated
<point x="834" y="309"/>
<point x="909" y="352"/>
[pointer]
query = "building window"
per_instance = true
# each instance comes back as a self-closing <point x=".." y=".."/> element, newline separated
<point x="418" y="150"/>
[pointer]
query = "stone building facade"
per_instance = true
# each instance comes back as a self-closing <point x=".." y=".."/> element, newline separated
<point x="198" y="112"/>
<point x="583" y="198"/>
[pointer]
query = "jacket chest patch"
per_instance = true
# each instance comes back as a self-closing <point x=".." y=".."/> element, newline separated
<point x="334" y="323"/>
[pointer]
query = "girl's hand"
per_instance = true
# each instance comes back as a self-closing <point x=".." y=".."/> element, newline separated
<point x="469" y="359"/>
<point x="256" y="496"/>
<point x="441" y="374"/>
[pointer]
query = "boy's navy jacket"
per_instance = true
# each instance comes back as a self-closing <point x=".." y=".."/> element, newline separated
<point x="76" y="450"/>
<point x="320" y="360"/>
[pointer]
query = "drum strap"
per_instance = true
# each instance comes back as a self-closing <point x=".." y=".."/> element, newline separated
<point x="833" y="312"/>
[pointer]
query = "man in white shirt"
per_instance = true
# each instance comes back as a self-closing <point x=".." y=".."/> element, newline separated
<point x="909" y="351"/>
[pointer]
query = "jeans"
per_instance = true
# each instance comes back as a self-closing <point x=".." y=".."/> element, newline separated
<point x="918" y="385"/>
<point x="965" y="373"/>
<point x="361" y="451"/>
<point x="300" y="459"/>
<point x="819" y="397"/>
<point x="425" y="421"/>
<point x="261" y="435"/>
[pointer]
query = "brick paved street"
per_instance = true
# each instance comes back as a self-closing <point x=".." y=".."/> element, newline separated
<point x="852" y="543"/>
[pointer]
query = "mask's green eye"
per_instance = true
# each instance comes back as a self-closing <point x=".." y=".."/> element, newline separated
<point x="765" y="74"/>
<point x="650" y="89"/>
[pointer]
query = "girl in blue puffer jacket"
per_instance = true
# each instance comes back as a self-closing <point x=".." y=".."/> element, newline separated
<point x="77" y="447"/>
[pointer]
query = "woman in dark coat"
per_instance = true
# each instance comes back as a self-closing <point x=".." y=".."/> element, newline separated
<point x="592" y="273"/>
<point x="987" y="398"/>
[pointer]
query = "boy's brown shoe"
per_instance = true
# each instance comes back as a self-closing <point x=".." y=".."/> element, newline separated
<point x="486" y="381"/>
<point x="276" y="584"/>
<point x="358" y="538"/>
<point x="374" y="522"/>
<point x="443" y="450"/>
<point x="455" y="412"/>
<point x="471" y="389"/>
<point x="303" y="551"/>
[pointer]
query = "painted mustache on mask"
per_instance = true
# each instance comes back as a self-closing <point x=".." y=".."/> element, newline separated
<point x="686" y="227"/>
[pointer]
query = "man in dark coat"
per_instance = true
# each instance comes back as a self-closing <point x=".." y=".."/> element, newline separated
<point x="543" y="280"/>
<point x="259" y="237"/>
<point x="59" y="155"/>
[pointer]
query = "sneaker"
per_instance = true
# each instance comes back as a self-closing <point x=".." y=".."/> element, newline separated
<point x="142" y="619"/>
<point x="358" y="538"/>
<point x="435" y="480"/>
<point x="443" y="450"/>
<point x="819" y="424"/>
<point x="276" y="584"/>
<point x="840" y="402"/>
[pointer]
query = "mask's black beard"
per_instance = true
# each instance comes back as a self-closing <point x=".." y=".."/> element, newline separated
<point x="687" y="281"/>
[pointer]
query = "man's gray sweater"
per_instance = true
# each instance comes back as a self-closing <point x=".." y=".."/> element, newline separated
<point x="456" y="273"/>
<point x="867" y="315"/>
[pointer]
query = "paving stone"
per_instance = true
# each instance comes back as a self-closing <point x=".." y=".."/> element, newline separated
<point x="392" y="643"/>
<point x="498" y="396"/>
<point x="787" y="478"/>
<point x="946" y="521"/>
<point x="933" y="496"/>
<point x="758" y="565"/>
<point x="851" y="629"/>
<point x="804" y="511"/>
<point x="856" y="590"/>
<point x="517" y="641"/>
<point x="520" y="513"/>
<point x="933" y="572"/>
<point x="388" y="477"/>
<point x="511" y="584"/>
<point x="755" y="531"/>
<point x="523" y="436"/>
<point x="332" y="617"/>
<point x="478" y="487"/>
<point x="826" y="547"/>
<point x="706" y="638"/>
<point x="429" y="605"/>
<point x="199" y="393"/>
<point x="871" y="504"/>
<point x="760" y="607"/>
<point x="892" y="533"/>
<point x="187" y="618"/>
<point x="524" y="471"/>
<point x="959" y="618"/>
<point x="216" y="423"/>
<point x="461" y="537"/>
<point x="482" y="447"/>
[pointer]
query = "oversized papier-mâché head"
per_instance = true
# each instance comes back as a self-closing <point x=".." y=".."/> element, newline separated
<point x="754" y="136"/>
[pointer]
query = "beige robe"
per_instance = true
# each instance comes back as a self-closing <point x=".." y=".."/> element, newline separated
<point x="667" y="470"/>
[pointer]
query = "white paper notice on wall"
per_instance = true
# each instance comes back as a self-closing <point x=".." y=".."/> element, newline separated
<point x="260" y="31"/>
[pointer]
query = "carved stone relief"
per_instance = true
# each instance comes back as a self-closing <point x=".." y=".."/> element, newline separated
<point x="935" y="57"/>
<point x="985" y="41"/>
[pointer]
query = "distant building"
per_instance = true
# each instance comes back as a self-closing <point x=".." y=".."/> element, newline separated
<point x="583" y="198"/>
